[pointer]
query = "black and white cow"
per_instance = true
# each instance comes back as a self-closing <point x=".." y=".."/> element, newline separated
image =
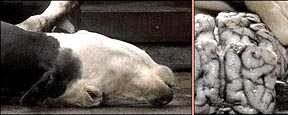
<point x="82" y="69"/>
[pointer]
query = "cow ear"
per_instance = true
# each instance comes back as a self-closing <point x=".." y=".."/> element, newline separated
<point x="93" y="93"/>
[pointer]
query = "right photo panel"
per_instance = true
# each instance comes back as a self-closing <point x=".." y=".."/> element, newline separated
<point x="241" y="57"/>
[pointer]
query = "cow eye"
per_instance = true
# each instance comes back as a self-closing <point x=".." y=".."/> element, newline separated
<point x="92" y="94"/>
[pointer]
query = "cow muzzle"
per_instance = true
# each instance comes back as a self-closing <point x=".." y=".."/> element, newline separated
<point x="162" y="100"/>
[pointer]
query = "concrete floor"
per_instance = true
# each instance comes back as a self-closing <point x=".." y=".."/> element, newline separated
<point x="181" y="104"/>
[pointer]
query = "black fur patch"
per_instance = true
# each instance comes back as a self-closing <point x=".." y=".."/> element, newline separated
<point x="30" y="59"/>
<point x="25" y="56"/>
<point x="67" y="69"/>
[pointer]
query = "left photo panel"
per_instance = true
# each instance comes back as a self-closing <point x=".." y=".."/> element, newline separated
<point x="96" y="57"/>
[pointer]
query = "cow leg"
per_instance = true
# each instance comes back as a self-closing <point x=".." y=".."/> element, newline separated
<point x="50" y="17"/>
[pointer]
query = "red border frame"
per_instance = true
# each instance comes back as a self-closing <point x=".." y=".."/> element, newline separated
<point x="192" y="60"/>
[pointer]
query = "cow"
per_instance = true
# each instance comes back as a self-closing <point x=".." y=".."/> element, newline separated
<point x="83" y="69"/>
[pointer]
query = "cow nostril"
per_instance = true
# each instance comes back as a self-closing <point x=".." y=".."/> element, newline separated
<point x="163" y="100"/>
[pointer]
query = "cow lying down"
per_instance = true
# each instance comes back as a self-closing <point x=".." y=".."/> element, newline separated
<point x="84" y="69"/>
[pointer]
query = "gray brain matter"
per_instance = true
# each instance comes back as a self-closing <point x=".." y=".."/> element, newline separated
<point x="237" y="64"/>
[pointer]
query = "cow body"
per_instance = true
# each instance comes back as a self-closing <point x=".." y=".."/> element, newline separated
<point x="25" y="56"/>
<point x="90" y="69"/>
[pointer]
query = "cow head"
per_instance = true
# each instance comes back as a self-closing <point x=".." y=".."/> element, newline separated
<point x="112" y="70"/>
<point x="153" y="86"/>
